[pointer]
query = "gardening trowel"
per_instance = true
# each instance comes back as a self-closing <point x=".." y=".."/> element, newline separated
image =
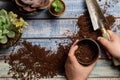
<point x="99" y="21"/>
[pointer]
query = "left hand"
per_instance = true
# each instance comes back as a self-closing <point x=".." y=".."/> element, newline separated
<point x="74" y="70"/>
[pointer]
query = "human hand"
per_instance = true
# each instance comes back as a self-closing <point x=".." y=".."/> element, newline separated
<point x="74" y="70"/>
<point x="113" y="45"/>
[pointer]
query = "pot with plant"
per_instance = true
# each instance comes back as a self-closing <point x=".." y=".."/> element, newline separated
<point x="11" y="28"/>
<point x="57" y="7"/>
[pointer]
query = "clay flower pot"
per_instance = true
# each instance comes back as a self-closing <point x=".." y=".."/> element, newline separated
<point x="11" y="29"/>
<point x="87" y="52"/>
<point x="31" y="7"/>
<point x="57" y="9"/>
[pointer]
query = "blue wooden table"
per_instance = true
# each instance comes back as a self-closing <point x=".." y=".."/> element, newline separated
<point x="45" y="30"/>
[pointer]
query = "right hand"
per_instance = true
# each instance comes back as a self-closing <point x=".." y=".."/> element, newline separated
<point x="113" y="45"/>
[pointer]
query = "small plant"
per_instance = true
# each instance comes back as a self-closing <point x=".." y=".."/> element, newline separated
<point x="57" y="6"/>
<point x="10" y="25"/>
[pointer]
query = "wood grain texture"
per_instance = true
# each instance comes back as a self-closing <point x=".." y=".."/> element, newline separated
<point x="48" y="44"/>
<point x="57" y="28"/>
<point x="51" y="28"/>
<point x="102" y="69"/>
<point x="48" y="31"/>
<point x="74" y="8"/>
<point x="66" y="79"/>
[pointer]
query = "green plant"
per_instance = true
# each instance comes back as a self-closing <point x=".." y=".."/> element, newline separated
<point x="10" y="25"/>
<point x="57" y="6"/>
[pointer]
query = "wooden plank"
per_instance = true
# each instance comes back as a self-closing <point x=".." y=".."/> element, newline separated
<point x="50" y="28"/>
<point x="56" y="28"/>
<point x="42" y="28"/>
<point x="4" y="68"/>
<point x="103" y="69"/>
<point x="116" y="26"/>
<point x="66" y="79"/>
<point x="103" y="78"/>
<point x="102" y="66"/>
<point x="48" y="44"/>
<point x="110" y="6"/>
<point x="74" y="8"/>
<point x="52" y="44"/>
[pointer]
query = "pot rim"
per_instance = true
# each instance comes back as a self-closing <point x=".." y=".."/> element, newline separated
<point x="96" y="57"/>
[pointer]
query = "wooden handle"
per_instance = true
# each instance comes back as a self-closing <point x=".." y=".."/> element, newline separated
<point x="105" y="34"/>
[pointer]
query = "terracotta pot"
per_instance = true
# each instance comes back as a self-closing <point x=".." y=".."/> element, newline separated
<point x="11" y="41"/>
<point x="87" y="52"/>
<point x="54" y="13"/>
<point x="24" y="7"/>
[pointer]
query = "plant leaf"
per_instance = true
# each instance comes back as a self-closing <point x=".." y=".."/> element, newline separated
<point x="25" y="24"/>
<point x="57" y="10"/>
<point x="3" y="19"/>
<point x="0" y="32"/>
<point x="1" y="36"/>
<point x="3" y="12"/>
<point x="54" y="5"/>
<point x="11" y="34"/>
<point x="5" y="31"/>
<point x="57" y="5"/>
<point x="60" y="5"/>
<point x="3" y="40"/>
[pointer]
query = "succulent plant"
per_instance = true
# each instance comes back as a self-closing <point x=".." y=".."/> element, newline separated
<point x="57" y="6"/>
<point x="10" y="25"/>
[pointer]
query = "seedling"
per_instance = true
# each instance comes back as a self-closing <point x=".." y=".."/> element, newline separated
<point x="57" y="6"/>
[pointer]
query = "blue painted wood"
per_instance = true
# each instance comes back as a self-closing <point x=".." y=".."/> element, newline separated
<point x="103" y="69"/>
<point x="48" y="32"/>
<point x="74" y="8"/>
<point x="111" y="7"/>
<point x="50" y="28"/>
<point x="57" y="28"/>
<point x="48" y="44"/>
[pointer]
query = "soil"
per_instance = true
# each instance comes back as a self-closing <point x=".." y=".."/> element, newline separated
<point x="33" y="61"/>
<point x="86" y="28"/>
<point x="87" y="52"/>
